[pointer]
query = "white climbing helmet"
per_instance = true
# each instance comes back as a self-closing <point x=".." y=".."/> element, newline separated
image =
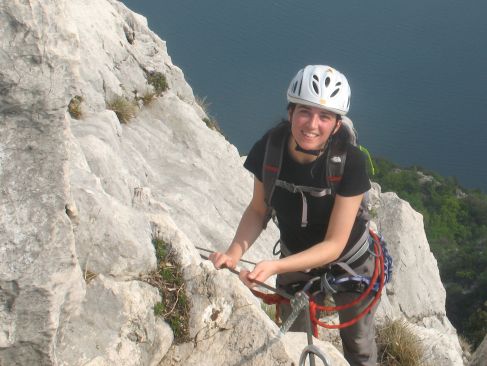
<point x="320" y="86"/>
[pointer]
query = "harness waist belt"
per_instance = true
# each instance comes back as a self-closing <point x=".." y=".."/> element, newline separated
<point x="354" y="257"/>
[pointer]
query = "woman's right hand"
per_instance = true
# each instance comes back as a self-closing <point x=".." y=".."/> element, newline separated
<point x="222" y="260"/>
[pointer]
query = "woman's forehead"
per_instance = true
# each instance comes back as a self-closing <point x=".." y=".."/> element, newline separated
<point x="314" y="109"/>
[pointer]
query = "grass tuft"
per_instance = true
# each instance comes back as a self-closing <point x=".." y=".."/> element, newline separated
<point x="398" y="345"/>
<point x="210" y="121"/>
<point x="123" y="108"/>
<point x="148" y="97"/>
<point x="174" y="304"/>
<point x="89" y="275"/>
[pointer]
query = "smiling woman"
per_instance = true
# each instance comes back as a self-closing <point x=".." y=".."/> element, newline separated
<point x="322" y="225"/>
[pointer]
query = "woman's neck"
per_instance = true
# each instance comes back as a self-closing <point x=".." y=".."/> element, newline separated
<point x="299" y="156"/>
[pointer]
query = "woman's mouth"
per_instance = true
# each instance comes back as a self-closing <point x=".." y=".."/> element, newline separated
<point x="309" y="135"/>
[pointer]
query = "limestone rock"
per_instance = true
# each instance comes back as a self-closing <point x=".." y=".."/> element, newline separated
<point x="480" y="355"/>
<point x="115" y="326"/>
<point x="229" y="328"/>
<point x="415" y="293"/>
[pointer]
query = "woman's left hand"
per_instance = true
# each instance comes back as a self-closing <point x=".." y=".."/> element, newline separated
<point x="261" y="272"/>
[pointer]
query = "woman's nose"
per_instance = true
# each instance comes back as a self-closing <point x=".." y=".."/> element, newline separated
<point x="315" y="118"/>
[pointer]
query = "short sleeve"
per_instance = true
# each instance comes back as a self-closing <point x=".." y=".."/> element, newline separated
<point x="355" y="179"/>
<point x="255" y="158"/>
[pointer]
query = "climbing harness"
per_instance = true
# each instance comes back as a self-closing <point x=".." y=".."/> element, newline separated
<point x="304" y="301"/>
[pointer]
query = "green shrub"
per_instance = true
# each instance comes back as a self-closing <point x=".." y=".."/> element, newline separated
<point x="174" y="304"/>
<point x="455" y="221"/>
<point x="158" y="81"/>
<point x="124" y="109"/>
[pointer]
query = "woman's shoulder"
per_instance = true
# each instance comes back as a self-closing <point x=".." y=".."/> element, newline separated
<point x="255" y="157"/>
<point x="354" y="152"/>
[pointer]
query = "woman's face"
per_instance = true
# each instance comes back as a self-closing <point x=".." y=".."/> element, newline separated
<point x="311" y="127"/>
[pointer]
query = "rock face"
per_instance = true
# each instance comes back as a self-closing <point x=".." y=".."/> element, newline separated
<point x="416" y="292"/>
<point x="480" y="355"/>
<point x="81" y="201"/>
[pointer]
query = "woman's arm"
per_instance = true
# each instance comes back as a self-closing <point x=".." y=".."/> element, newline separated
<point x="248" y="230"/>
<point x="339" y="228"/>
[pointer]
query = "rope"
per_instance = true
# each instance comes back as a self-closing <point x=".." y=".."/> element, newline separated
<point x="277" y="297"/>
<point x="379" y="263"/>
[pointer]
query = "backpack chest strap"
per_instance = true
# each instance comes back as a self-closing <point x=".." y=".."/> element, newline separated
<point x="315" y="192"/>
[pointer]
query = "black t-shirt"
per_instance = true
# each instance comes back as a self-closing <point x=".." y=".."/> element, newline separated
<point x="289" y="206"/>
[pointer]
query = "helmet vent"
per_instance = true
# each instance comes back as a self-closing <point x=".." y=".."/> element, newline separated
<point x="315" y="87"/>
<point x="338" y="84"/>
<point x="335" y="92"/>
<point x="327" y="81"/>
<point x="316" y="77"/>
<point x="295" y="86"/>
<point x="300" y="85"/>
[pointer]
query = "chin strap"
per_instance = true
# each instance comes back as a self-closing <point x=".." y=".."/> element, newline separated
<point x="310" y="152"/>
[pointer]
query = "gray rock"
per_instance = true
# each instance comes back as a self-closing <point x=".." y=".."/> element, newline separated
<point x="479" y="357"/>
<point x="415" y="293"/>
<point x="115" y="326"/>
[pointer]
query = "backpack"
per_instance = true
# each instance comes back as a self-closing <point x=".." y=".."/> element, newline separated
<point x="276" y="143"/>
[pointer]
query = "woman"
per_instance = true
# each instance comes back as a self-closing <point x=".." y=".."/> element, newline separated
<point x="315" y="232"/>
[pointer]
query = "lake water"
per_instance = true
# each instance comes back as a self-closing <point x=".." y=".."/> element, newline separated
<point x="417" y="69"/>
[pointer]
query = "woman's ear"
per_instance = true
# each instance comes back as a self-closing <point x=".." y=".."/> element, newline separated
<point x="290" y="110"/>
<point x="337" y="126"/>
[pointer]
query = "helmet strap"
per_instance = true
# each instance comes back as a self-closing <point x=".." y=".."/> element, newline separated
<point x="310" y="152"/>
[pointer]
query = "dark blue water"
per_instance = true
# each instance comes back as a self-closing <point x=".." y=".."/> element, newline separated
<point x="417" y="69"/>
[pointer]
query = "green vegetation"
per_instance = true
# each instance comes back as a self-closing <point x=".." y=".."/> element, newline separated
<point x="174" y="304"/>
<point x="124" y="109"/>
<point x="74" y="107"/>
<point x="212" y="124"/>
<point x="270" y="311"/>
<point x="158" y="81"/>
<point x="455" y="221"/>
<point x="210" y="121"/>
<point x="398" y="345"/>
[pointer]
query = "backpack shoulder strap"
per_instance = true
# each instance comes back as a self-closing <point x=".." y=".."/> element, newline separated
<point x="336" y="159"/>
<point x="334" y="168"/>
<point x="271" y="166"/>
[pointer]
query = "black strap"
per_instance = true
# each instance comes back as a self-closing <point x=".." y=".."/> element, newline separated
<point x="271" y="167"/>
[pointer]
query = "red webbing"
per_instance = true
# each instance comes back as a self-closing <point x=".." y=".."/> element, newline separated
<point x="313" y="307"/>
<point x="270" y="299"/>
<point x="275" y="299"/>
